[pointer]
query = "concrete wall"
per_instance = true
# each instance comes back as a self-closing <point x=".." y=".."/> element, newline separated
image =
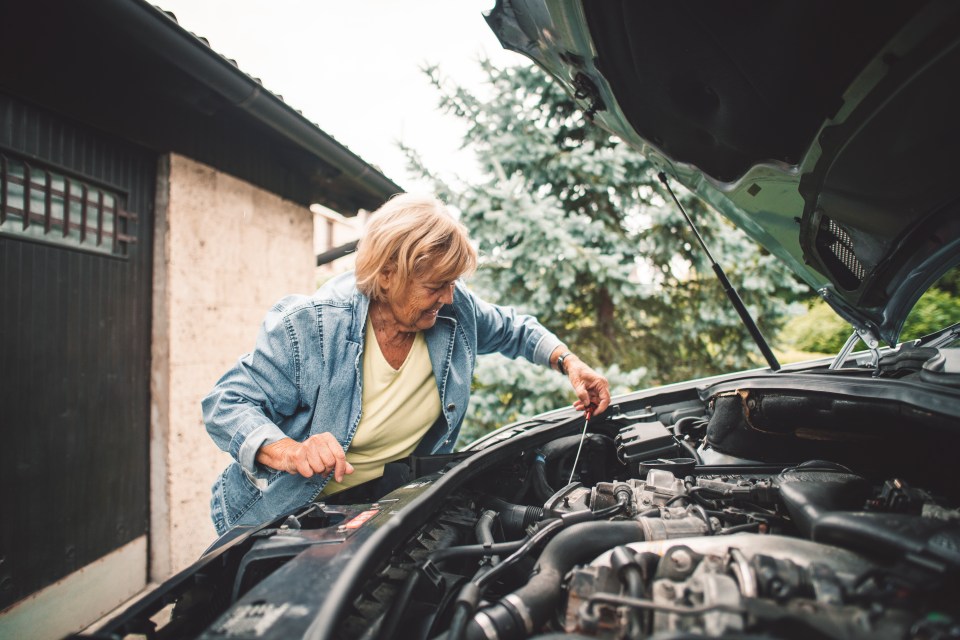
<point x="225" y="252"/>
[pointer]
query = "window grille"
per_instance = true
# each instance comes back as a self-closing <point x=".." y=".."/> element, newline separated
<point x="47" y="205"/>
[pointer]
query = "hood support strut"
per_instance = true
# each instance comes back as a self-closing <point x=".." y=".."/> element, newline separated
<point x="732" y="294"/>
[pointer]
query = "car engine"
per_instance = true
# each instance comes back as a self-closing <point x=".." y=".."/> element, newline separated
<point x="659" y="535"/>
<point x="789" y="506"/>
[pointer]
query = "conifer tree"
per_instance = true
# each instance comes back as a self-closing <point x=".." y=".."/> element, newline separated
<point x="572" y="228"/>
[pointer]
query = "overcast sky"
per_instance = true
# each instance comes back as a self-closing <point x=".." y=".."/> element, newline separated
<point x="354" y="67"/>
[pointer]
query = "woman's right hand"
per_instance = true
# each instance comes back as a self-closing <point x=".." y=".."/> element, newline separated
<point x="320" y="454"/>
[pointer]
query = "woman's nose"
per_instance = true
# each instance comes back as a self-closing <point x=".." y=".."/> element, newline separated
<point x="447" y="296"/>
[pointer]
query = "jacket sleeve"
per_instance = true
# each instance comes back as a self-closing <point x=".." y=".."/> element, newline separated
<point x="242" y="411"/>
<point x="503" y="330"/>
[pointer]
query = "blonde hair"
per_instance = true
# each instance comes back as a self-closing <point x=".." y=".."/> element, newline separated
<point x="412" y="235"/>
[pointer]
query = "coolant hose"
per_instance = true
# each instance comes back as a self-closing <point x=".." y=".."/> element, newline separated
<point x="475" y="550"/>
<point x="514" y="518"/>
<point x="526" y="610"/>
<point x="484" y="532"/>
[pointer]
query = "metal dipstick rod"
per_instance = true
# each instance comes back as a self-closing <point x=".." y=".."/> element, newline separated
<point x="583" y="436"/>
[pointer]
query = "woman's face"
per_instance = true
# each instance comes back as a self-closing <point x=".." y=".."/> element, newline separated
<point x="414" y="304"/>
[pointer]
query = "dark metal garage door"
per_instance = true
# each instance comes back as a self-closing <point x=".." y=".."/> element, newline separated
<point x="76" y="218"/>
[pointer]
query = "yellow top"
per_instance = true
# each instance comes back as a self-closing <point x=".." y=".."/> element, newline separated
<point x="398" y="407"/>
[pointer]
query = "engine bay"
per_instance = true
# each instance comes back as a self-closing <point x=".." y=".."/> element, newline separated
<point x="653" y="530"/>
<point x="799" y="508"/>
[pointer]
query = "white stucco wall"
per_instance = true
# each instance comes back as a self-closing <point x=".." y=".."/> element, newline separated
<point x="225" y="252"/>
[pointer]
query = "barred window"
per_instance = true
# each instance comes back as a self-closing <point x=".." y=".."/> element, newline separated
<point x="49" y="206"/>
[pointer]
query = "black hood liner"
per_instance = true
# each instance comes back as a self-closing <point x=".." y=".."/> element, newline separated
<point x="745" y="82"/>
<point x="885" y="186"/>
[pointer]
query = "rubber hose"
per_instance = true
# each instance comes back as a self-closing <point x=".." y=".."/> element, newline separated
<point x="541" y="487"/>
<point x="458" y="623"/>
<point x="693" y="452"/>
<point x="680" y="425"/>
<point x="466" y="604"/>
<point x="475" y="550"/>
<point x="515" y="518"/>
<point x="484" y="531"/>
<point x="527" y="609"/>
<point x="633" y="580"/>
<point x="561" y="445"/>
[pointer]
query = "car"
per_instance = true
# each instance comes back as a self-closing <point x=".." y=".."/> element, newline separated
<point x="812" y="500"/>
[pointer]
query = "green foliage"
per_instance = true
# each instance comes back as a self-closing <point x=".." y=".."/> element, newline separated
<point x="938" y="308"/>
<point x="821" y="330"/>
<point x="949" y="282"/>
<point x="572" y="228"/>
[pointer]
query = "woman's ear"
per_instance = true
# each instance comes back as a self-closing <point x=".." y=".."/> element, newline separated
<point x="385" y="278"/>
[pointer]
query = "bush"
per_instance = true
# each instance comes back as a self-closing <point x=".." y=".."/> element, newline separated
<point x="822" y="331"/>
<point x="934" y="311"/>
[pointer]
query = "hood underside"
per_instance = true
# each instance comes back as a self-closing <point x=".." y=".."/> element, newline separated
<point x="827" y="131"/>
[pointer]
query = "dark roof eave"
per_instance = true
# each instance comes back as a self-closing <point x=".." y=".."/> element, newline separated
<point x="157" y="31"/>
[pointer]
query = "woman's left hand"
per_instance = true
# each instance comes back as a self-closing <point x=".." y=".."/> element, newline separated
<point x="592" y="389"/>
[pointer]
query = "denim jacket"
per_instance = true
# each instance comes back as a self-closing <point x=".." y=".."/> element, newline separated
<point x="304" y="377"/>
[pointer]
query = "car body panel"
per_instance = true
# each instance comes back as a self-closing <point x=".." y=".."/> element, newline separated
<point x="824" y="130"/>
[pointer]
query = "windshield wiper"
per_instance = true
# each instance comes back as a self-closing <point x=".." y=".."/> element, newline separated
<point x="940" y="338"/>
<point x="727" y="287"/>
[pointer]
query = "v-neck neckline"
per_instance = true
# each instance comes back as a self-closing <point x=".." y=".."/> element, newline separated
<point x="383" y="358"/>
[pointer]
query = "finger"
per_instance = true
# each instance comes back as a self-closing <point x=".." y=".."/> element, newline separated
<point x="339" y="462"/>
<point x="602" y="405"/>
<point x="603" y="398"/>
<point x="326" y="447"/>
<point x="329" y="461"/>
<point x="313" y="457"/>
<point x="349" y="468"/>
<point x="303" y="466"/>
<point x="341" y="466"/>
<point x="589" y="408"/>
<point x="292" y="459"/>
<point x="583" y="395"/>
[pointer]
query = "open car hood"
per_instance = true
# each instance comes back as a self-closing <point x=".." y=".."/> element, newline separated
<point x="827" y="131"/>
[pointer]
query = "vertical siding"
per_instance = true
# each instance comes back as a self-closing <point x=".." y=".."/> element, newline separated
<point x="74" y="390"/>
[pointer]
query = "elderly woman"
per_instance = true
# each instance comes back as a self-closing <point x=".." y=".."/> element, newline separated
<point x="374" y="366"/>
